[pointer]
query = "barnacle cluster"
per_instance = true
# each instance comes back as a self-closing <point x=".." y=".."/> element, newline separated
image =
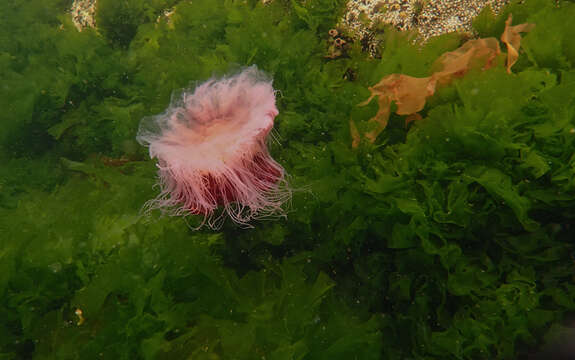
<point x="338" y="45"/>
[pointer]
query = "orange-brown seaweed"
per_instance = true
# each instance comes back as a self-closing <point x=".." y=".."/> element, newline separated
<point x="410" y="93"/>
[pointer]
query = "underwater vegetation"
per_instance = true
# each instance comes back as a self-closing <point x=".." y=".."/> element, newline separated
<point x="449" y="237"/>
<point x="409" y="93"/>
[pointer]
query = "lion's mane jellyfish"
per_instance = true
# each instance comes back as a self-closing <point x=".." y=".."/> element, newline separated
<point x="211" y="150"/>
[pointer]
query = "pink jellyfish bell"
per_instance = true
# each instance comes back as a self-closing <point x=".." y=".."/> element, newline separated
<point x="211" y="150"/>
